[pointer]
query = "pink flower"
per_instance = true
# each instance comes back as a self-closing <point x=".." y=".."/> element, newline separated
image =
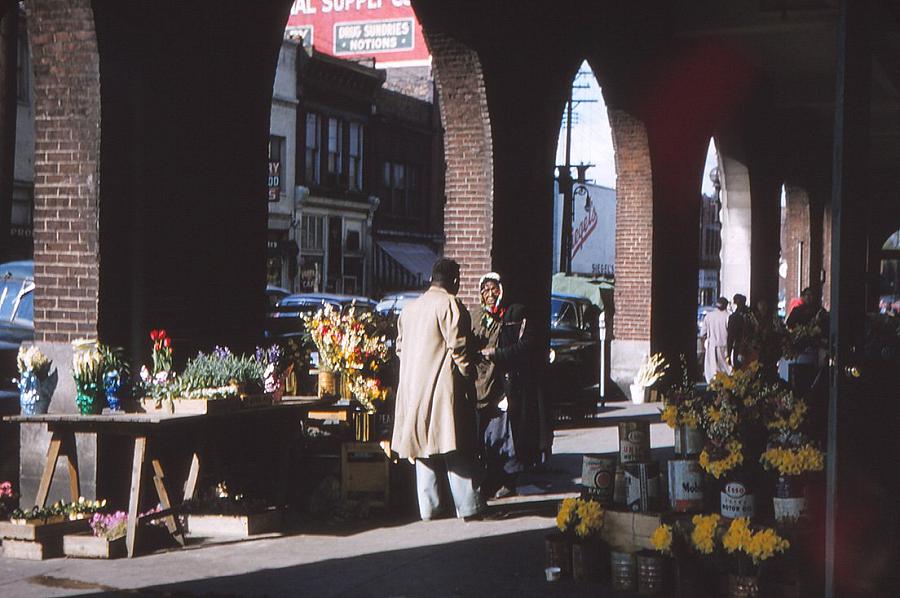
<point x="6" y="490"/>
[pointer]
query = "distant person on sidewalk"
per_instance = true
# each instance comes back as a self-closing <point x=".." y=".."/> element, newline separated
<point x="809" y="310"/>
<point x="714" y="331"/>
<point x="508" y="414"/>
<point x="740" y="326"/>
<point x="434" y="418"/>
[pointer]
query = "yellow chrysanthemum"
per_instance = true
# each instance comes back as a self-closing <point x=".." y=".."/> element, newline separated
<point x="738" y="535"/>
<point x="662" y="538"/>
<point x="590" y="518"/>
<point x="565" y="515"/>
<point x="704" y="532"/>
<point x="793" y="461"/>
<point x="718" y="467"/>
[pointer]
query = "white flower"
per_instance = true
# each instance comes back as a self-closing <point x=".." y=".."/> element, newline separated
<point x="145" y="375"/>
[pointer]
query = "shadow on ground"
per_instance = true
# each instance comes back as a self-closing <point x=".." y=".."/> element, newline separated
<point x="504" y="565"/>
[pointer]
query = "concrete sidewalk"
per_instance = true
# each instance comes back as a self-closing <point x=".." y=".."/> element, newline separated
<point x="387" y="557"/>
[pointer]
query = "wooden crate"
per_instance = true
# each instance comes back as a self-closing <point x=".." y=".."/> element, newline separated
<point x="88" y="546"/>
<point x="240" y="526"/>
<point x="37" y="530"/>
<point x="33" y="550"/>
<point x="365" y="472"/>
<point x="190" y="406"/>
<point x="628" y="531"/>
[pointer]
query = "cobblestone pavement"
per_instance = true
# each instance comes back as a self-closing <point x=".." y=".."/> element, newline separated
<point x="396" y="557"/>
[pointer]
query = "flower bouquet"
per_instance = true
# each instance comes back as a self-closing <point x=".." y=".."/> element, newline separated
<point x="650" y="372"/>
<point x="87" y="370"/>
<point x="36" y="383"/>
<point x="9" y="499"/>
<point x="579" y="522"/>
<point x="682" y="409"/>
<point x="802" y="338"/>
<point x="748" y="550"/>
<point x="115" y="375"/>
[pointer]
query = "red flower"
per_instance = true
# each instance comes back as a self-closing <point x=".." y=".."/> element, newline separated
<point x="162" y="333"/>
<point x="154" y="334"/>
<point x="167" y="343"/>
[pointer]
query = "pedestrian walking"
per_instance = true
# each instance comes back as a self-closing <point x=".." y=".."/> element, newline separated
<point x="740" y="329"/>
<point x="508" y="413"/>
<point x="714" y="331"/>
<point x="434" y="414"/>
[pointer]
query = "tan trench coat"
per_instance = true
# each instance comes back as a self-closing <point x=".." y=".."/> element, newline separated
<point x="435" y="373"/>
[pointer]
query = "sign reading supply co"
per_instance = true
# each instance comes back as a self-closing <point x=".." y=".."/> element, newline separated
<point x="386" y="30"/>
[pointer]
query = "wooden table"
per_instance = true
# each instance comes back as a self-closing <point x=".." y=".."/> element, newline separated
<point x="145" y="429"/>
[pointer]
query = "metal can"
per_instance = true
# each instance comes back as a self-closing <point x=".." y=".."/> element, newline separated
<point x="598" y="477"/>
<point x="737" y="500"/>
<point x="642" y="486"/>
<point x="619" y="486"/>
<point x="634" y="441"/>
<point x="685" y="486"/>
<point x="688" y="440"/>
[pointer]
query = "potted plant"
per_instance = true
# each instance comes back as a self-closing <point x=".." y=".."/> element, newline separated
<point x="9" y="500"/>
<point x="576" y="548"/>
<point x="682" y="407"/>
<point x="87" y="370"/>
<point x="36" y="383"/>
<point x="115" y="375"/>
<point x="654" y="567"/>
<point x="326" y="328"/>
<point x="649" y="374"/>
<point x="749" y="550"/>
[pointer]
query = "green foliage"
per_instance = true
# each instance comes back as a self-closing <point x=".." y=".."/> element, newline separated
<point x="222" y="369"/>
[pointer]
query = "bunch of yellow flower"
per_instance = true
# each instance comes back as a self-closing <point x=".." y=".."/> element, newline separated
<point x="582" y="517"/>
<point x="793" y="461"/>
<point x="703" y="535"/>
<point x="590" y="518"/>
<point x="759" y="546"/>
<point x="368" y="391"/>
<point x="662" y="538"/>
<point x="30" y="360"/>
<point x="566" y="515"/>
<point x="719" y="467"/>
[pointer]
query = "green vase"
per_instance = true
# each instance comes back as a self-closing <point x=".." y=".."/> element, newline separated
<point x="89" y="399"/>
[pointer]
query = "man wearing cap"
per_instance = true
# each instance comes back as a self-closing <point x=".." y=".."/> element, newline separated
<point x="434" y="418"/>
<point x="714" y="330"/>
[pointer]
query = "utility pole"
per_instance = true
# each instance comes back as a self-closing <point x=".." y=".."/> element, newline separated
<point x="564" y="178"/>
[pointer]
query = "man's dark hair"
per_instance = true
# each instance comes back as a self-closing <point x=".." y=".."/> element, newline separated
<point x="721" y="302"/>
<point x="740" y="299"/>
<point x="445" y="271"/>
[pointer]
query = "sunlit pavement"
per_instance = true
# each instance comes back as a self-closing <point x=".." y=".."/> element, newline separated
<point x="389" y="557"/>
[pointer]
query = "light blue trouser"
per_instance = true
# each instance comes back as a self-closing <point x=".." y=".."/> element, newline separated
<point x="461" y="475"/>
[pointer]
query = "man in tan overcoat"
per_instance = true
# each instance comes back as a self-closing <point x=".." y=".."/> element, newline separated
<point x="434" y="417"/>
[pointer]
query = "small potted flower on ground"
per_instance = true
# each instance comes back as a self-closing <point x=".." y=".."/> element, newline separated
<point x="650" y="372"/>
<point x="749" y="550"/>
<point x="577" y="548"/>
<point x="36" y="383"/>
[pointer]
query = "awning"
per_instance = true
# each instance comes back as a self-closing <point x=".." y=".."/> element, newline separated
<point x="417" y="259"/>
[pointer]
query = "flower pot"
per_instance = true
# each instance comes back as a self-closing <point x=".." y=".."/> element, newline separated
<point x="88" y="400"/>
<point x="789" y="501"/>
<point x="638" y="394"/>
<point x="588" y="563"/>
<point x="736" y="498"/>
<point x="688" y="440"/>
<point x="558" y="549"/>
<point x="653" y="573"/>
<point x="743" y="586"/>
<point x="329" y="385"/>
<point x="622" y="570"/>
<point x="34" y="394"/>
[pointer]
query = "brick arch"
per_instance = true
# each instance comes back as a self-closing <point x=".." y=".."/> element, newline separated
<point x="468" y="151"/>
<point x="736" y="216"/>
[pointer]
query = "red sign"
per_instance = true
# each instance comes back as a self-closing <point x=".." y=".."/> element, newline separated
<point x="386" y="30"/>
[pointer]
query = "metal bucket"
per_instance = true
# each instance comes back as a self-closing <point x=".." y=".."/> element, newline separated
<point x="688" y="440"/>
<point x="619" y="486"/>
<point x="559" y="553"/>
<point x="743" y="586"/>
<point x="634" y="441"/>
<point x="623" y="570"/>
<point x="642" y="486"/>
<point x="685" y="486"/>
<point x="653" y="573"/>
<point x="586" y="561"/>
<point x="598" y="477"/>
<point x="736" y="499"/>
<point x="789" y="501"/>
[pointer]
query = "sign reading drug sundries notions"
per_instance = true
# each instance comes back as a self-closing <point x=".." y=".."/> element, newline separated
<point x="385" y="30"/>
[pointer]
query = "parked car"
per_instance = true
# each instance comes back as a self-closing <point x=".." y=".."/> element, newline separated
<point x="16" y="315"/>
<point x="284" y="320"/>
<point x="391" y="305"/>
<point x="274" y="295"/>
<point x="574" y="346"/>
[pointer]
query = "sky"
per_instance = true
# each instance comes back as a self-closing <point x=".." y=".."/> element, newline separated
<point x="592" y="138"/>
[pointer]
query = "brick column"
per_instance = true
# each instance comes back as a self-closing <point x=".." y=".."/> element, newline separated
<point x="797" y="229"/>
<point x="469" y="208"/>
<point x="634" y="245"/>
<point x="66" y="253"/>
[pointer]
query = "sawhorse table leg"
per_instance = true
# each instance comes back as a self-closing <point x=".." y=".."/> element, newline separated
<point x="61" y="443"/>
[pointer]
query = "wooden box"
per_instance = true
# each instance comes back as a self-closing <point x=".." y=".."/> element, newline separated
<point x="629" y="531"/>
<point x="92" y="547"/>
<point x="240" y="526"/>
<point x="38" y="530"/>
<point x="365" y="472"/>
<point x="33" y="550"/>
<point x="189" y="406"/>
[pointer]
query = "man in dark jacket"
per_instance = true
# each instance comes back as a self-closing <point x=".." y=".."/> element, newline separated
<point x="739" y="331"/>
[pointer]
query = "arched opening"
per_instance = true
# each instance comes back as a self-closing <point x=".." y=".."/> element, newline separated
<point x="708" y="283"/>
<point x="889" y="276"/>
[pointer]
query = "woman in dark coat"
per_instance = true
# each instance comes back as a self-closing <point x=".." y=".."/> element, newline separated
<point x="505" y="388"/>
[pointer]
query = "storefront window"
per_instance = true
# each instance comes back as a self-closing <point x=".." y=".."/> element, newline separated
<point x="313" y="153"/>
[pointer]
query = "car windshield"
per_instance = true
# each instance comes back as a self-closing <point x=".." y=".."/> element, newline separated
<point x="25" y="310"/>
<point x="562" y="314"/>
<point x="8" y="295"/>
